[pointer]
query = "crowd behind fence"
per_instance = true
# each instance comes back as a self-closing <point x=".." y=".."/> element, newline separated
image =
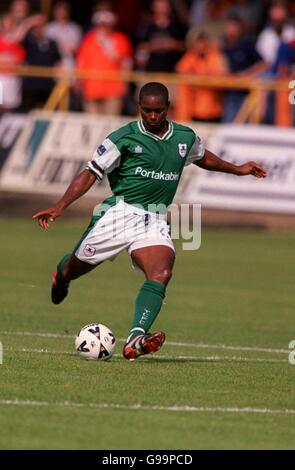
<point x="222" y="61"/>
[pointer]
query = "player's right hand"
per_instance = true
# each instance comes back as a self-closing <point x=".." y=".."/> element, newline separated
<point x="44" y="217"/>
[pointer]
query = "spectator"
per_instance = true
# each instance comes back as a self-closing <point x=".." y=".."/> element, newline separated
<point x="161" y="41"/>
<point x="250" y="12"/>
<point x="128" y="22"/>
<point x="43" y="52"/>
<point x="11" y="53"/>
<point x="272" y="45"/>
<point x="292" y="74"/>
<point x="197" y="102"/>
<point x="274" y="33"/>
<point x="198" y="12"/>
<point x="283" y="66"/>
<point x="104" y="50"/>
<point x="243" y="60"/>
<point x="101" y="5"/>
<point x="65" y="33"/>
<point x="181" y="10"/>
<point x="209" y="15"/>
<point x="277" y="107"/>
<point x="20" y="11"/>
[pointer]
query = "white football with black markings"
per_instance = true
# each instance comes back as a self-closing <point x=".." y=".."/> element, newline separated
<point x="96" y="342"/>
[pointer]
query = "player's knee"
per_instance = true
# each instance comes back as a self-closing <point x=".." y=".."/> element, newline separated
<point x="163" y="276"/>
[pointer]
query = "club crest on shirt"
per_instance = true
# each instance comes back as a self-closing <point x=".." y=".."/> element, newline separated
<point x="182" y="148"/>
<point x="101" y="150"/>
<point x="138" y="149"/>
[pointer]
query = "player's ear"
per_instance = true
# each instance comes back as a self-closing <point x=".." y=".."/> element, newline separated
<point x="168" y="104"/>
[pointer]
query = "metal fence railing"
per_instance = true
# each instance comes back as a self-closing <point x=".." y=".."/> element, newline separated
<point x="250" y="110"/>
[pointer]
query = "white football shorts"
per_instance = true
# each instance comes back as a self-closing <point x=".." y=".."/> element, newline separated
<point x="122" y="227"/>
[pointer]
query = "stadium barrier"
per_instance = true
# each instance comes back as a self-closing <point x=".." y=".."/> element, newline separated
<point x="10" y="127"/>
<point x="52" y="150"/>
<point x="272" y="147"/>
<point x="250" y="111"/>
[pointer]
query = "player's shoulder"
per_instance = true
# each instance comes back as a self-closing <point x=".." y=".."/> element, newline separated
<point x="187" y="131"/>
<point x="181" y="128"/>
<point x="124" y="132"/>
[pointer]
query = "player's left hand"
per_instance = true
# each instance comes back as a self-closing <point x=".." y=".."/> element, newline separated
<point x="49" y="215"/>
<point x="251" y="168"/>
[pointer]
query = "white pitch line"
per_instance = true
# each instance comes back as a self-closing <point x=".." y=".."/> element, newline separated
<point x="42" y="351"/>
<point x="26" y="285"/>
<point x="220" y="358"/>
<point x="37" y="335"/>
<point x="224" y="346"/>
<point x="163" y="356"/>
<point x="139" y="407"/>
<point x="168" y="343"/>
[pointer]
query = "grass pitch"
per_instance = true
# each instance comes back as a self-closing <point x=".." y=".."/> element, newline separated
<point x="222" y="380"/>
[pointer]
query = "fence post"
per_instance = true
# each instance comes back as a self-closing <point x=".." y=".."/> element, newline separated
<point x="283" y="109"/>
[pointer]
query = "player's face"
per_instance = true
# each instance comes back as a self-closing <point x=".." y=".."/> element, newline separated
<point x="153" y="110"/>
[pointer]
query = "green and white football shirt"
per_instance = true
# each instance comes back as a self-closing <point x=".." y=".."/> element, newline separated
<point x="142" y="167"/>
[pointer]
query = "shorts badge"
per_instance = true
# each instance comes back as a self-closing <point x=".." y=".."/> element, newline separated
<point x="89" y="251"/>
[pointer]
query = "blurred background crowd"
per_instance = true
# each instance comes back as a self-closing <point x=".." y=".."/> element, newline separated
<point x="244" y="38"/>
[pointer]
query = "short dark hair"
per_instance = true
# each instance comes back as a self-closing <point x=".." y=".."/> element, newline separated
<point x="154" y="89"/>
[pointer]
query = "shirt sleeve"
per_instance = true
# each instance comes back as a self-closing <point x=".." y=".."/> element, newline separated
<point x="105" y="158"/>
<point x="197" y="151"/>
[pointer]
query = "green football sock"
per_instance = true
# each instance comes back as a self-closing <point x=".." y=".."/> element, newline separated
<point x="148" y="305"/>
<point x="60" y="266"/>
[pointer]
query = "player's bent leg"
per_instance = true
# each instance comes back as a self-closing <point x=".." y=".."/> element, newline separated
<point x="98" y="244"/>
<point x="76" y="268"/>
<point x="68" y="269"/>
<point x="156" y="262"/>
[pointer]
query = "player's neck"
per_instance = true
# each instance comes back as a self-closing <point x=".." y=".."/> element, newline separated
<point x="160" y="130"/>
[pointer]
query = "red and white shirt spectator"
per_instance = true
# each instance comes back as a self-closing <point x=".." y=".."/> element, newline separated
<point x="11" y="53"/>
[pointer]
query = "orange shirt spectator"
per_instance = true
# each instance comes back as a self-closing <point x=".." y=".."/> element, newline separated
<point x="196" y="102"/>
<point x="104" y="50"/>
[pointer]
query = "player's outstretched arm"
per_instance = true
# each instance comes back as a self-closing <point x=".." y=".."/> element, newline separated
<point x="79" y="186"/>
<point x="210" y="161"/>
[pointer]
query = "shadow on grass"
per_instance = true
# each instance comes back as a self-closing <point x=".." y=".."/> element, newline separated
<point x="167" y="359"/>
